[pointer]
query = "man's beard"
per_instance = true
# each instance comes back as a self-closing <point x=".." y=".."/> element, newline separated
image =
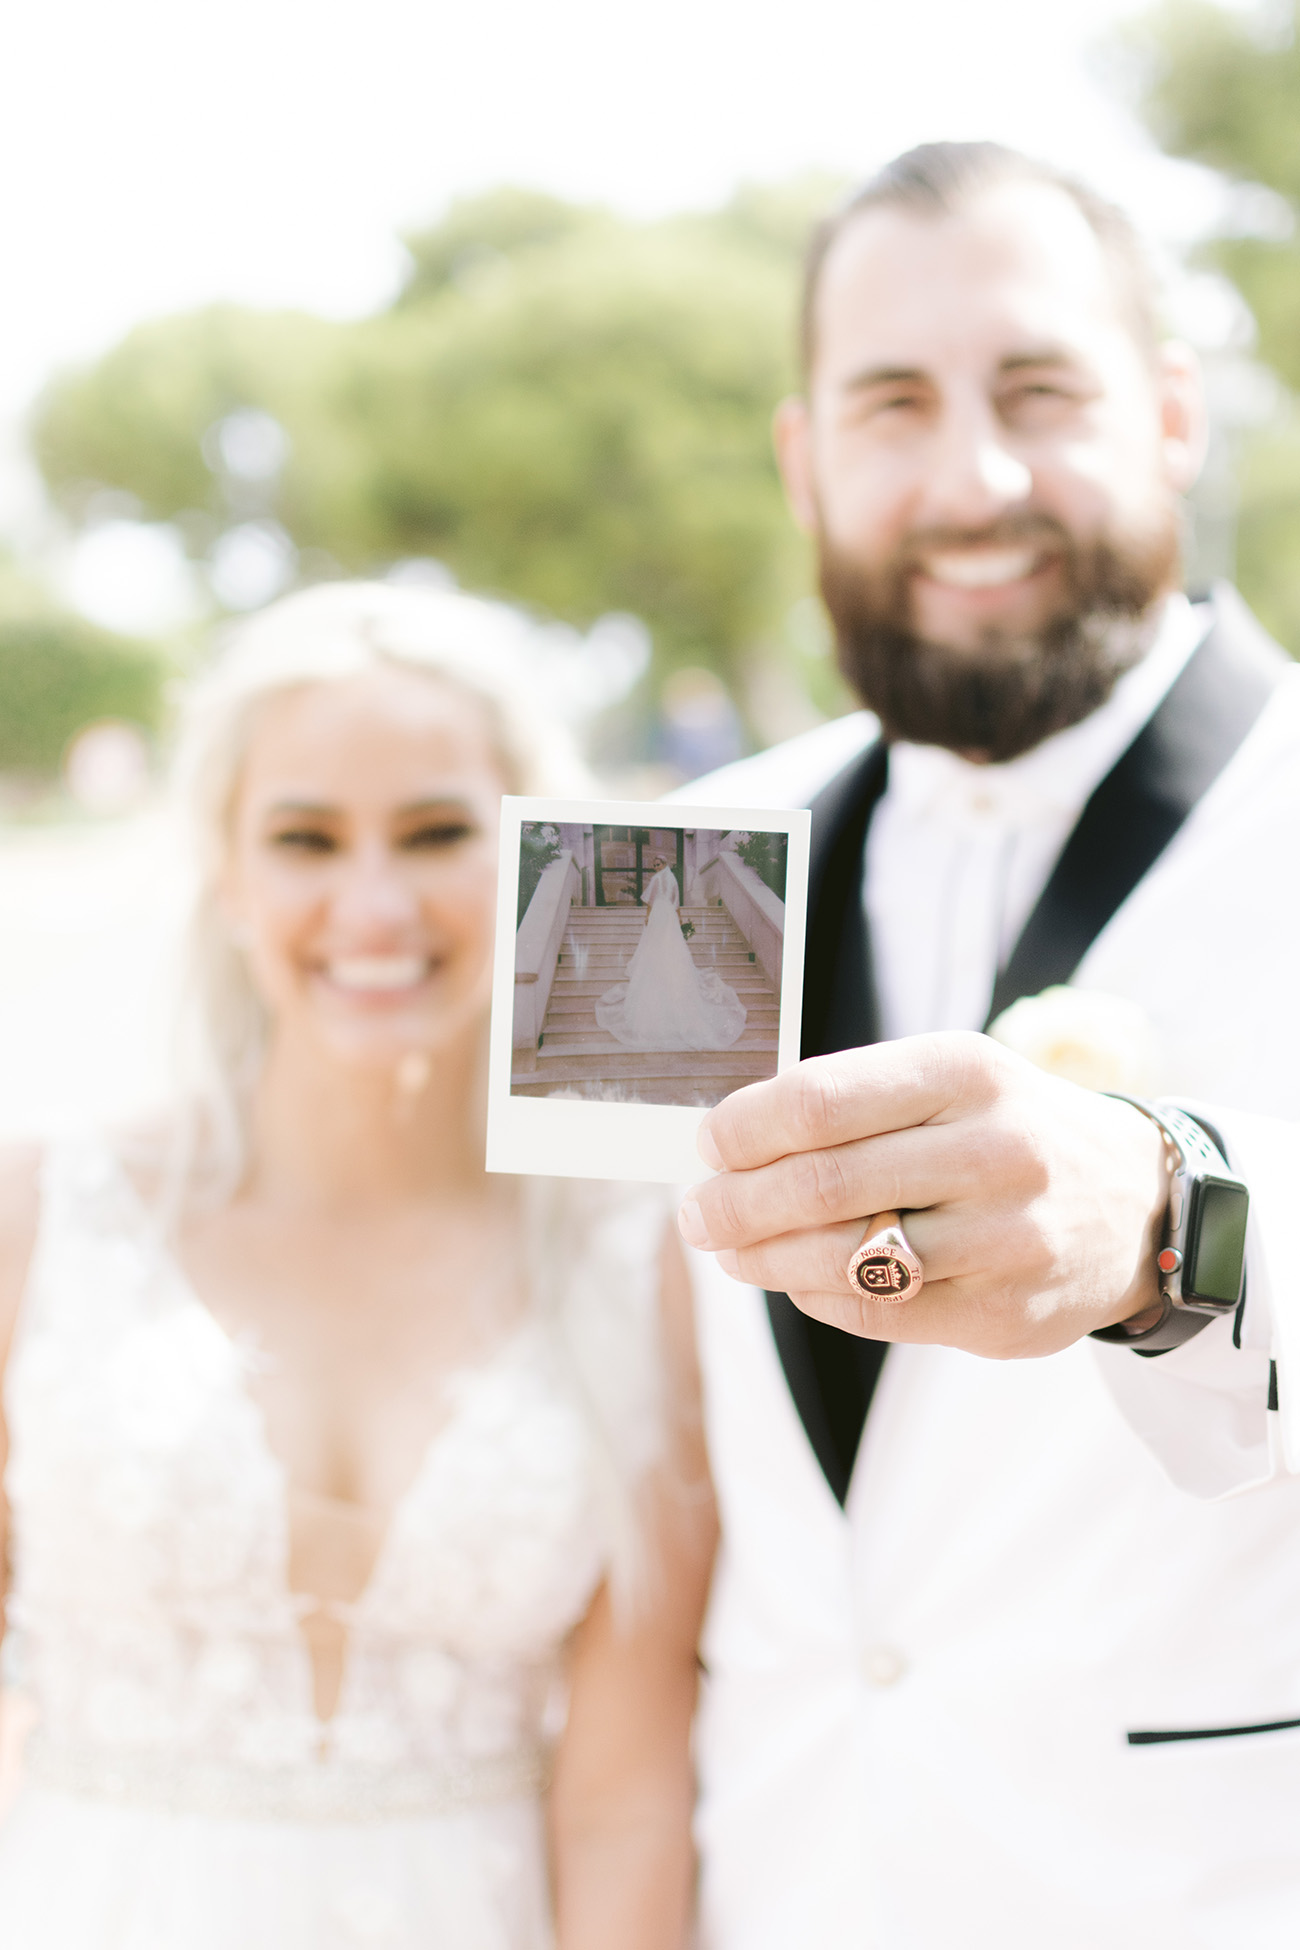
<point x="1009" y="692"/>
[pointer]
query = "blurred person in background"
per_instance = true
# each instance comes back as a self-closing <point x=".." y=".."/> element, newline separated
<point x="1001" y="1654"/>
<point x="358" y="1521"/>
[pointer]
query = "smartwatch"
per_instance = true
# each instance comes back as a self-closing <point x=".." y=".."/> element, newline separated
<point x="1202" y="1257"/>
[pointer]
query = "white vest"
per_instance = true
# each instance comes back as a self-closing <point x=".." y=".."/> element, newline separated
<point x="914" y="1729"/>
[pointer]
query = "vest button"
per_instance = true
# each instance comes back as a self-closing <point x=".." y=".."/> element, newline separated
<point x="883" y="1665"/>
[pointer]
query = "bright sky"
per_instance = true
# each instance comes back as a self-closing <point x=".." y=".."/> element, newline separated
<point x="155" y="154"/>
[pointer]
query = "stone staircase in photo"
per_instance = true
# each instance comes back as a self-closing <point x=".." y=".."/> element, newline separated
<point x="576" y="1054"/>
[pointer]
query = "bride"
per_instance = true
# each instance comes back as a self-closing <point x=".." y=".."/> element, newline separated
<point x="667" y="1003"/>
<point x="358" y="1526"/>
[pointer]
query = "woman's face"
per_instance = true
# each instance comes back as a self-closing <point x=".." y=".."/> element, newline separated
<point x="361" y="877"/>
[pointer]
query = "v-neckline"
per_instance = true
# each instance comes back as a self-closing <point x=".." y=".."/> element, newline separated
<point x="300" y="1604"/>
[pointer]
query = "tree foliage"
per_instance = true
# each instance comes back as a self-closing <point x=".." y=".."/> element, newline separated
<point x="766" y="854"/>
<point x="59" y="673"/>
<point x="539" y="844"/>
<point x="1222" y="87"/>
<point x="568" y="408"/>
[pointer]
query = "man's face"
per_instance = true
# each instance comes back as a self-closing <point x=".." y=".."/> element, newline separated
<point x="990" y="462"/>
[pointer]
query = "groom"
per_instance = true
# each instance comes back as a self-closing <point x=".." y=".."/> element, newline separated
<point x="999" y="1654"/>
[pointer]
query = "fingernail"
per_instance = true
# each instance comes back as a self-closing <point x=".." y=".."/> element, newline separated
<point x="690" y="1223"/>
<point x="707" y="1149"/>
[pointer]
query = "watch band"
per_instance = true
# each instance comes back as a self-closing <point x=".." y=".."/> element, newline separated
<point x="1201" y="1259"/>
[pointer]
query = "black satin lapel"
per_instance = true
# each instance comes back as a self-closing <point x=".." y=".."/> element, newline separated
<point x="1141" y="803"/>
<point x="832" y="1375"/>
<point x="839" y="990"/>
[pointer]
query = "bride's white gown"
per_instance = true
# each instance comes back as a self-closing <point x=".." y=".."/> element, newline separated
<point x="667" y="1003"/>
<point x="180" y="1792"/>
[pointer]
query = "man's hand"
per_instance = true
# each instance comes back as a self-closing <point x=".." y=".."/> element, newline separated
<point x="1034" y="1205"/>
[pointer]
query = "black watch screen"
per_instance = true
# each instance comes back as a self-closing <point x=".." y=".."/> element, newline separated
<point x="1217" y="1247"/>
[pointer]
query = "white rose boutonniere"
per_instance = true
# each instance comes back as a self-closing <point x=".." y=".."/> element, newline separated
<point x="1104" y="1042"/>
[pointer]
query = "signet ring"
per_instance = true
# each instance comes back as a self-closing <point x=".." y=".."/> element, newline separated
<point x="884" y="1267"/>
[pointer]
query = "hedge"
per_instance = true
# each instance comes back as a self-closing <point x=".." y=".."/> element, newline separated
<point x="59" y="674"/>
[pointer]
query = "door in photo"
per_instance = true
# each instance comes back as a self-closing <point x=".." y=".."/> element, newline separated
<point x="625" y="857"/>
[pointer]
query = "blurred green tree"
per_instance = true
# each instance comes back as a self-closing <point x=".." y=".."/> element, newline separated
<point x="1221" y="86"/>
<point x="59" y="673"/>
<point x="146" y="417"/>
<point x="567" y="408"/>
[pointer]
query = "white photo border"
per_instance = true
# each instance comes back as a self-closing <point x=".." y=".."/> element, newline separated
<point x="568" y="1137"/>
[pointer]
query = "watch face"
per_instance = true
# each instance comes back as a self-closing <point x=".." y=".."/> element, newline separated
<point x="1217" y="1251"/>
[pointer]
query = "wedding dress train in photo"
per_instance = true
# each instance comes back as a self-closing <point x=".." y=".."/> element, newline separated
<point x="667" y="1003"/>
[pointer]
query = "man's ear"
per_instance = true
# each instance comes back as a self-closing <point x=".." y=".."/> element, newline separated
<point x="1183" y="420"/>
<point x="792" y="437"/>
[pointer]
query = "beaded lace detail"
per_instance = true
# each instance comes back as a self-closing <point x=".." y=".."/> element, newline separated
<point x="150" y="1601"/>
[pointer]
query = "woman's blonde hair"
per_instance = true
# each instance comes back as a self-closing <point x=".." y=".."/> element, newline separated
<point x="322" y="635"/>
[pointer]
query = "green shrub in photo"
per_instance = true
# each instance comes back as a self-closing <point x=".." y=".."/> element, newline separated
<point x="539" y="844"/>
<point x="765" y="854"/>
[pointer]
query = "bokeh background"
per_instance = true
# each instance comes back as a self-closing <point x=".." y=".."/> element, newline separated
<point x="504" y="294"/>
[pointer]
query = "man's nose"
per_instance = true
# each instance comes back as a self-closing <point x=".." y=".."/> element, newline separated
<point x="974" y="475"/>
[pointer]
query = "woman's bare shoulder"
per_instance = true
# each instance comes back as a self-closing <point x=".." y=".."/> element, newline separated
<point x="19" y="1205"/>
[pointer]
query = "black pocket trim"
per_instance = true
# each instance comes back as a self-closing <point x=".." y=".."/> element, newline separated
<point x="1149" y="1739"/>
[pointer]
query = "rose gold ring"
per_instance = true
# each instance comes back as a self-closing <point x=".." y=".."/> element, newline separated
<point x="884" y="1267"/>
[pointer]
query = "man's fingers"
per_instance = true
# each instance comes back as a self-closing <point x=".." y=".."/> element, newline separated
<point x="903" y="1171"/>
<point x="949" y="1311"/>
<point x="830" y="1100"/>
<point x="947" y="1247"/>
<point x="813" y="1259"/>
<point x="927" y="1319"/>
<point x="937" y="1317"/>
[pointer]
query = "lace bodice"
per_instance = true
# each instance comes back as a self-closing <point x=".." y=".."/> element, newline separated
<point x="150" y="1596"/>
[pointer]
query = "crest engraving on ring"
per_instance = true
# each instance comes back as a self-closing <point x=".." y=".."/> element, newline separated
<point x="885" y="1266"/>
<point x="884" y="1273"/>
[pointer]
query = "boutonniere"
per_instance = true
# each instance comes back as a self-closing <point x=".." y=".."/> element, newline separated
<point x="1102" y="1041"/>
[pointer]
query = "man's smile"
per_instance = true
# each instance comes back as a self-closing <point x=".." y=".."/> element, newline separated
<point x="982" y="568"/>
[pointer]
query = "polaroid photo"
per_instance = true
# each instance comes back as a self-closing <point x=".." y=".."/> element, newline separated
<point x="649" y="961"/>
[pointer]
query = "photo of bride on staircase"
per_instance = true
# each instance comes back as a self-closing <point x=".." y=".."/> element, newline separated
<point x="667" y="1003"/>
<point x="648" y="962"/>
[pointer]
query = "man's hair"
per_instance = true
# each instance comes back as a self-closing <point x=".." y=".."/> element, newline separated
<point x="938" y="178"/>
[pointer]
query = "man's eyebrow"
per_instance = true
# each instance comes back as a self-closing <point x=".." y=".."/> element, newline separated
<point x="1039" y="355"/>
<point x="1032" y="356"/>
<point x="862" y="382"/>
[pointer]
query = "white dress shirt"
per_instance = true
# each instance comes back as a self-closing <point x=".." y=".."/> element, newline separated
<point x="988" y="837"/>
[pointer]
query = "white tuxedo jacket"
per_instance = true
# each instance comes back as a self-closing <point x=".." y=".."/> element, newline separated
<point x="914" y="1733"/>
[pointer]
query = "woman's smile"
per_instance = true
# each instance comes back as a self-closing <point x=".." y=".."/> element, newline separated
<point x="379" y="977"/>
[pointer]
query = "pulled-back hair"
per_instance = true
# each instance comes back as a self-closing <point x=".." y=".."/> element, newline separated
<point x="936" y="179"/>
